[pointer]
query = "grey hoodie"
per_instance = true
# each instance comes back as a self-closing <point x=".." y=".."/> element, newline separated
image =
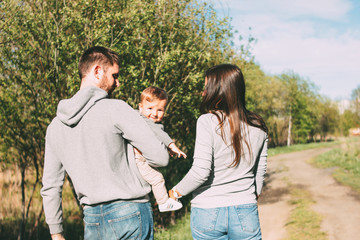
<point x="88" y="140"/>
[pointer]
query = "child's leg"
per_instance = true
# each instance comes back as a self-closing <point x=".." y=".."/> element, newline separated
<point x="154" y="178"/>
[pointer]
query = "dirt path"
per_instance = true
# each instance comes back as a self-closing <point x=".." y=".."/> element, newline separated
<point x="339" y="205"/>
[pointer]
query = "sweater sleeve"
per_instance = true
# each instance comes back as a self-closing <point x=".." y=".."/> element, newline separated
<point x="51" y="192"/>
<point x="261" y="169"/>
<point x="158" y="129"/>
<point x="201" y="167"/>
<point x="138" y="133"/>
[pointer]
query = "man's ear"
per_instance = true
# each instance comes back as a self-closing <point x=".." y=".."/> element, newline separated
<point x="98" y="73"/>
<point x="140" y="106"/>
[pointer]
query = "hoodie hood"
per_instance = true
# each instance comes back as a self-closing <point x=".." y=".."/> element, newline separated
<point x="70" y="111"/>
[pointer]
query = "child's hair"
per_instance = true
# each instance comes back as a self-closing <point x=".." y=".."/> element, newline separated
<point x="153" y="93"/>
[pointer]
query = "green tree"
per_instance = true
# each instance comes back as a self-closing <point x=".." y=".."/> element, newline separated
<point x="166" y="43"/>
<point x="33" y="78"/>
<point x="350" y="118"/>
<point x="347" y="121"/>
<point x="299" y="93"/>
<point x="355" y="104"/>
<point x="328" y="118"/>
<point x="266" y="95"/>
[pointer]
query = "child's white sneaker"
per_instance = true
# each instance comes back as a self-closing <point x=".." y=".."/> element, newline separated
<point x="170" y="205"/>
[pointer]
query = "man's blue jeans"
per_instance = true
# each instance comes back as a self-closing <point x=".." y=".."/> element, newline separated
<point x="118" y="220"/>
<point x="235" y="222"/>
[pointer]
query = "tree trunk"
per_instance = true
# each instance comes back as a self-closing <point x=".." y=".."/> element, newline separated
<point x="172" y="218"/>
<point x="21" y="234"/>
<point x="35" y="184"/>
<point x="289" y="131"/>
<point x="36" y="224"/>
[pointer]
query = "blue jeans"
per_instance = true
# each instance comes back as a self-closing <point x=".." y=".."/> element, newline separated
<point x="118" y="220"/>
<point x="234" y="222"/>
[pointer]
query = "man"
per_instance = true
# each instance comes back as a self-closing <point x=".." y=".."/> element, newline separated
<point x="88" y="140"/>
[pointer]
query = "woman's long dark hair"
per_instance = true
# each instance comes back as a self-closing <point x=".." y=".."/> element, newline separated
<point x="224" y="96"/>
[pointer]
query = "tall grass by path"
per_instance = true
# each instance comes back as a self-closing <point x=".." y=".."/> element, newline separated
<point x="300" y="147"/>
<point x="345" y="161"/>
<point x="10" y="208"/>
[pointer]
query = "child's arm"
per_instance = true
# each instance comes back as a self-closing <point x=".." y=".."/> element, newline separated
<point x="175" y="150"/>
<point x="158" y="129"/>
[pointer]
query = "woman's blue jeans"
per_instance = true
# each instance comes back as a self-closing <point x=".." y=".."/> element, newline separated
<point x="235" y="222"/>
<point x="118" y="220"/>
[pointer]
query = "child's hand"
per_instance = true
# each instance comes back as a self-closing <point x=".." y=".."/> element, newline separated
<point x="175" y="150"/>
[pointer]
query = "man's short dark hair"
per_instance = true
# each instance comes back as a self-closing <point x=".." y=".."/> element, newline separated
<point x="97" y="55"/>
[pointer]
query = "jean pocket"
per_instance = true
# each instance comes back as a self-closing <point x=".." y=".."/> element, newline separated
<point x="248" y="217"/>
<point x="92" y="228"/>
<point x="125" y="223"/>
<point x="204" y="219"/>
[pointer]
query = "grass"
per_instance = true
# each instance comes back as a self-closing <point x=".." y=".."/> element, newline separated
<point x="10" y="208"/>
<point x="345" y="162"/>
<point x="299" y="147"/>
<point x="180" y="231"/>
<point x="303" y="223"/>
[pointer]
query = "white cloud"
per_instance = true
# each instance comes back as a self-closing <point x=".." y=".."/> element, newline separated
<point x="303" y="36"/>
<point x="327" y="9"/>
<point x="333" y="64"/>
<point x="270" y="26"/>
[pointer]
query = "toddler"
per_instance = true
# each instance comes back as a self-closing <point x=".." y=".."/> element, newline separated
<point x="152" y="105"/>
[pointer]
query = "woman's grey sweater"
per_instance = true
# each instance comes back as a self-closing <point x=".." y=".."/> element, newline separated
<point x="211" y="179"/>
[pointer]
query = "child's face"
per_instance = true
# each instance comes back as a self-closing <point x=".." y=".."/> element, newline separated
<point x="153" y="110"/>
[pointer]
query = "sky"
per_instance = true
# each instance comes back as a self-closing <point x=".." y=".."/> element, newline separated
<point x="317" y="39"/>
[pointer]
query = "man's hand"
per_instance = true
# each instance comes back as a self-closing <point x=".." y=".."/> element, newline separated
<point x="57" y="236"/>
<point x="174" y="150"/>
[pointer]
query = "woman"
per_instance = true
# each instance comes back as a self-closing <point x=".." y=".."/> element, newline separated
<point x="229" y="161"/>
